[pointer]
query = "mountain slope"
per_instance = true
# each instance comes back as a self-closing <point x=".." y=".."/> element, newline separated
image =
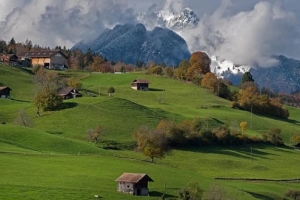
<point x="282" y="78"/>
<point x="132" y="43"/>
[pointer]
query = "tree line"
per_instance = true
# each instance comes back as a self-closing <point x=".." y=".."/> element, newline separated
<point x="156" y="142"/>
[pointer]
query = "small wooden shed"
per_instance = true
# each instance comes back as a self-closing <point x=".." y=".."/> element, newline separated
<point x="134" y="184"/>
<point x="139" y="84"/>
<point x="4" y="92"/>
<point x="69" y="92"/>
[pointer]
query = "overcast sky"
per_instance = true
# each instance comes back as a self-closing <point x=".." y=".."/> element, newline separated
<point x="244" y="31"/>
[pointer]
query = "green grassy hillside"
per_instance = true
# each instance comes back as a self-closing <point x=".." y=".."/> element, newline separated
<point x="54" y="160"/>
<point x="19" y="80"/>
<point x="28" y="139"/>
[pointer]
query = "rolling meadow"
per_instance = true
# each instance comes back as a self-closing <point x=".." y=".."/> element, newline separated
<point x="52" y="159"/>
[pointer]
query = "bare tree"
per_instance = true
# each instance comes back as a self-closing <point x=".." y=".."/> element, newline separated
<point x="93" y="134"/>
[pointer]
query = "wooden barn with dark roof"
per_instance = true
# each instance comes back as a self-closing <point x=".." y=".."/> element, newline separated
<point x="48" y="59"/>
<point x="134" y="184"/>
<point x="139" y="84"/>
<point x="8" y="58"/>
<point x="68" y="93"/>
<point x="4" y="92"/>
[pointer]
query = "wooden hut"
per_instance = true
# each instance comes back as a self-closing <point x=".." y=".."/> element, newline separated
<point x="4" y="92"/>
<point x="134" y="184"/>
<point x="68" y="92"/>
<point x="139" y="84"/>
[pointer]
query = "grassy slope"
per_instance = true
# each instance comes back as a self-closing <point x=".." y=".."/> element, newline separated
<point x="84" y="176"/>
<point x="39" y="141"/>
<point x="19" y="81"/>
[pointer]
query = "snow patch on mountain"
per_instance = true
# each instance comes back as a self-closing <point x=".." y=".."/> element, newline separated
<point x="186" y="18"/>
<point x="170" y="19"/>
<point x="223" y="68"/>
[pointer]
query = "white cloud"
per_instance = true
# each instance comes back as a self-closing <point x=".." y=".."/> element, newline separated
<point x="55" y="22"/>
<point x="246" y="32"/>
<point x="248" y="37"/>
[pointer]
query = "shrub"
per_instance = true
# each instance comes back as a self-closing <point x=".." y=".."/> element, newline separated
<point x="294" y="194"/>
<point x="273" y="136"/>
<point x="111" y="90"/>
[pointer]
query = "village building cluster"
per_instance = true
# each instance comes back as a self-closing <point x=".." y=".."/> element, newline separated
<point x="49" y="59"/>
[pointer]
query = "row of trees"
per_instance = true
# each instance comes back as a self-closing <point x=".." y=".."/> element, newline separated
<point x="249" y="98"/>
<point x="191" y="70"/>
<point x="94" y="62"/>
<point x="13" y="47"/>
<point x="155" y="143"/>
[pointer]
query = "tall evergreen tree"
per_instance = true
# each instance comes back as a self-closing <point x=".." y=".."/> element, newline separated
<point x="88" y="57"/>
<point x="3" y="46"/>
<point x="247" y="77"/>
<point x="12" y="41"/>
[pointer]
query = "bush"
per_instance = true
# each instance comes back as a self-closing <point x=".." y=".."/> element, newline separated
<point x="111" y="90"/>
<point x="294" y="194"/>
<point x="273" y="136"/>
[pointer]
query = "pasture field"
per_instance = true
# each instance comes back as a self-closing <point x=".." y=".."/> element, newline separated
<point x="53" y="159"/>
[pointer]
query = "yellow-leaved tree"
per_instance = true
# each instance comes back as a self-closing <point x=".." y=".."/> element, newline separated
<point x="210" y="81"/>
<point x="243" y="126"/>
<point x="152" y="143"/>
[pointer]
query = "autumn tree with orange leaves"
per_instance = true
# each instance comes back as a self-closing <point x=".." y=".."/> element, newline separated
<point x="210" y="81"/>
<point x="200" y="65"/>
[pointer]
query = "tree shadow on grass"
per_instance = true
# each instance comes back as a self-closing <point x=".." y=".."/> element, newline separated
<point x="268" y="196"/>
<point x="66" y="105"/>
<point x="156" y="90"/>
<point x="292" y="121"/>
<point x="55" y="132"/>
<point x="246" y="152"/>
<point x="18" y="100"/>
<point x="160" y="194"/>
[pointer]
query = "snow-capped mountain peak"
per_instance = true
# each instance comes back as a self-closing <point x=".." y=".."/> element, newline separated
<point x="185" y="18"/>
<point x="225" y="67"/>
<point x="170" y="19"/>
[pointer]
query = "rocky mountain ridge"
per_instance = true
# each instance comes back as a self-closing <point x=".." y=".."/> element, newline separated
<point x="131" y="43"/>
<point x="169" y="19"/>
